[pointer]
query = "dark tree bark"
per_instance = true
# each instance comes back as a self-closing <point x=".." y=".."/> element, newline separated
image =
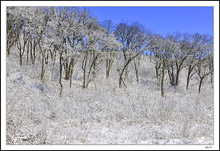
<point x="200" y="84"/>
<point x="21" y="50"/>
<point x="84" y="67"/>
<point x="60" y="80"/>
<point x="42" y="67"/>
<point x="31" y="57"/>
<point x="124" y="67"/>
<point x="28" y="49"/>
<point x="34" y="52"/>
<point x="162" y="79"/>
<point x="136" y="66"/>
<point x="189" y="75"/>
<point x="109" y="63"/>
<point x="157" y="70"/>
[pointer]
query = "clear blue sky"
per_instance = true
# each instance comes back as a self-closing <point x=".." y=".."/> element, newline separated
<point x="161" y="20"/>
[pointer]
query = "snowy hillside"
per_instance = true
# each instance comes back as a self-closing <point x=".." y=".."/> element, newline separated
<point x="72" y="79"/>
<point x="103" y="113"/>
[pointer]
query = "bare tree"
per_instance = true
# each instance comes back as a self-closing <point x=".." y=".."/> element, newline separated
<point x="203" y="68"/>
<point x="110" y="57"/>
<point x="197" y="45"/>
<point x="166" y="55"/>
<point x="22" y="45"/>
<point x="92" y="58"/>
<point x="210" y="62"/>
<point x="162" y="48"/>
<point x="179" y="55"/>
<point x="96" y="41"/>
<point x="134" y="42"/>
<point x="11" y="30"/>
<point x="137" y="66"/>
<point x="110" y="54"/>
<point x="154" y="47"/>
<point x="88" y="44"/>
<point x="108" y="25"/>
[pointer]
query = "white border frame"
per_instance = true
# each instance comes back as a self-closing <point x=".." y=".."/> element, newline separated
<point x="214" y="4"/>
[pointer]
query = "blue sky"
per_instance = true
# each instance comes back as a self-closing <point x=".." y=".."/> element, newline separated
<point x="161" y="20"/>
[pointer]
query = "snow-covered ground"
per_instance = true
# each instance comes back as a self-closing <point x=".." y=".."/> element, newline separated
<point x="104" y="113"/>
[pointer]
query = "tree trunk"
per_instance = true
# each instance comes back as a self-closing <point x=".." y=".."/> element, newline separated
<point x="122" y="72"/>
<point x="28" y="47"/>
<point x="188" y="77"/>
<point x="107" y="68"/>
<point x="121" y="77"/>
<point x="200" y="84"/>
<point x="42" y="67"/>
<point x="211" y="77"/>
<point x="9" y="45"/>
<point x="126" y="66"/>
<point x="171" y="76"/>
<point x="53" y="60"/>
<point x="177" y="77"/>
<point x="31" y="57"/>
<point x="66" y="67"/>
<point x="84" y="78"/>
<point x="187" y="82"/>
<point x="162" y="81"/>
<point x="20" y="53"/>
<point x="136" y="71"/>
<point x="157" y="74"/>
<point x="60" y="80"/>
<point x="84" y="64"/>
<point x="120" y="80"/>
<point x="20" y="58"/>
<point x="34" y="53"/>
<point x="126" y="72"/>
<point x="157" y="67"/>
<point x="46" y="59"/>
<point x="8" y="50"/>
<point x="71" y="72"/>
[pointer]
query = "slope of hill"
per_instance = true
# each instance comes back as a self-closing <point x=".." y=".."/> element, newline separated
<point x="103" y="113"/>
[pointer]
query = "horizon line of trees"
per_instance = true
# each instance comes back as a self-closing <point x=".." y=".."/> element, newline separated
<point x="73" y="36"/>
